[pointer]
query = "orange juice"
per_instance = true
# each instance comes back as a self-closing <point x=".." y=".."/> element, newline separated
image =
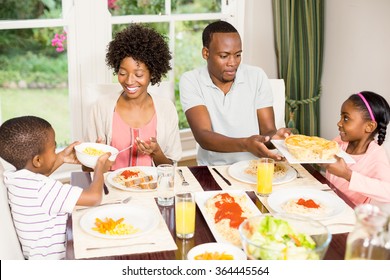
<point x="185" y="216"/>
<point x="265" y="173"/>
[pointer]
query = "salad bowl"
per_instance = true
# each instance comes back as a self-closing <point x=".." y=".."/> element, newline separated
<point x="284" y="237"/>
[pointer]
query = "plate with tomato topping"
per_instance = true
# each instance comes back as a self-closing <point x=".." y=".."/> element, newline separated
<point x="311" y="203"/>
<point x="224" y="211"/>
<point x="137" y="178"/>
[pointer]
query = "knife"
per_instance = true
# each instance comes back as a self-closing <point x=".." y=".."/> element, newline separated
<point x="223" y="178"/>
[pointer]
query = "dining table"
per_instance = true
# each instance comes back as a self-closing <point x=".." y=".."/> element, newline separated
<point x="208" y="181"/>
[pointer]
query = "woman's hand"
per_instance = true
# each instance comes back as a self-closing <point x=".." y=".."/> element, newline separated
<point x="149" y="147"/>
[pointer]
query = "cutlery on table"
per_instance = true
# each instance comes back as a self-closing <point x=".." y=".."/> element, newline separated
<point x="298" y="174"/>
<point x="105" y="189"/>
<point x="223" y="178"/>
<point x="118" y="246"/>
<point x="122" y="201"/>
<point x="183" y="180"/>
<point x="123" y="150"/>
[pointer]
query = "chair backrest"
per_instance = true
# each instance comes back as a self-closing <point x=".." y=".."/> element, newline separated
<point x="279" y="91"/>
<point x="9" y="243"/>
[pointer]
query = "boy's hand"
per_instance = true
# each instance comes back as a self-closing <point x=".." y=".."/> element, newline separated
<point x="103" y="164"/>
<point x="69" y="154"/>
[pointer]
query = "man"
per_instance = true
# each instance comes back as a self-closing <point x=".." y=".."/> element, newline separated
<point x="228" y="104"/>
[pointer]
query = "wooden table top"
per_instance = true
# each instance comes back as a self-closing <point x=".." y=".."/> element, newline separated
<point x="203" y="234"/>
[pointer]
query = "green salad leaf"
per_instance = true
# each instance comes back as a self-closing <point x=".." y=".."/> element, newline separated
<point x="276" y="240"/>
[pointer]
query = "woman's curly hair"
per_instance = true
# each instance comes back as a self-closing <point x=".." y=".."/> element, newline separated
<point x="143" y="44"/>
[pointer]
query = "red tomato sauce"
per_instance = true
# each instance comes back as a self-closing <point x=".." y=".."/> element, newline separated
<point x="228" y="209"/>
<point x="129" y="174"/>
<point x="308" y="203"/>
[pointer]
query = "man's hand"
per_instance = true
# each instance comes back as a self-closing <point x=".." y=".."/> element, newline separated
<point x="282" y="133"/>
<point x="255" y="145"/>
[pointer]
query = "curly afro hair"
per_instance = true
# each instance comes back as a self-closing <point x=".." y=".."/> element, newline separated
<point x="143" y="44"/>
<point x="22" y="138"/>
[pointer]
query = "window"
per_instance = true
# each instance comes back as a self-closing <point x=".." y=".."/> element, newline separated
<point x="89" y="27"/>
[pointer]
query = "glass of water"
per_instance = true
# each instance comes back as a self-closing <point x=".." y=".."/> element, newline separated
<point x="165" y="182"/>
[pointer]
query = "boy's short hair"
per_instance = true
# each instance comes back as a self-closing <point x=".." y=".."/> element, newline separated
<point x="216" y="27"/>
<point x="22" y="138"/>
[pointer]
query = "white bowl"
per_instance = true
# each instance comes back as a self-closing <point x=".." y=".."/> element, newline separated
<point x="214" y="247"/>
<point x="90" y="160"/>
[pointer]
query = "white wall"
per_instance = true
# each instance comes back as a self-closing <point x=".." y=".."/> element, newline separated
<point x="357" y="55"/>
<point x="258" y="45"/>
<point x="356" y="51"/>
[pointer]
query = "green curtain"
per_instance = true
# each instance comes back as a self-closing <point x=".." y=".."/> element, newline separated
<point x="299" y="40"/>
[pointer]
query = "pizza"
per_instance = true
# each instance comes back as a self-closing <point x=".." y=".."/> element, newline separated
<point x="308" y="148"/>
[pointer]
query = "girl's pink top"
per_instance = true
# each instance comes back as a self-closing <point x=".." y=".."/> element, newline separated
<point x="123" y="136"/>
<point x="370" y="179"/>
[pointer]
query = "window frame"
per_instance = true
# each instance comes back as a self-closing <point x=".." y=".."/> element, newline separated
<point x="89" y="27"/>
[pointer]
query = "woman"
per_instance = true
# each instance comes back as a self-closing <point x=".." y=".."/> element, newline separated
<point x="139" y="56"/>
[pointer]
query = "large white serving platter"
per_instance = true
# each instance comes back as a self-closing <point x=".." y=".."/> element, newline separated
<point x="201" y="199"/>
<point x="281" y="146"/>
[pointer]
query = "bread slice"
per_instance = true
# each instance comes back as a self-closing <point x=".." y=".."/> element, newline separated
<point x="309" y="148"/>
<point x="137" y="181"/>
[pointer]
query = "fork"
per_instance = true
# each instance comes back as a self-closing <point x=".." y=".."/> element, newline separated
<point x="123" y="201"/>
<point x="183" y="180"/>
<point x="298" y="174"/>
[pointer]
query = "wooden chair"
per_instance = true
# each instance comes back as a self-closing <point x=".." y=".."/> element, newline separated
<point x="9" y="243"/>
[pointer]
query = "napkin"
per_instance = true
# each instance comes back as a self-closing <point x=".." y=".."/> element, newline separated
<point x="159" y="239"/>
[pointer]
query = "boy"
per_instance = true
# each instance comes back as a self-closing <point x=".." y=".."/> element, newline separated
<point x="39" y="204"/>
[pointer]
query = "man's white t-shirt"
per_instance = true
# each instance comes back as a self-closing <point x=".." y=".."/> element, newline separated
<point x="234" y="114"/>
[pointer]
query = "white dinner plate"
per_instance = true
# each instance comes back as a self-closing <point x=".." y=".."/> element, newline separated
<point x="140" y="217"/>
<point x="333" y="204"/>
<point x="215" y="247"/>
<point x="279" y="144"/>
<point x="150" y="170"/>
<point x="201" y="199"/>
<point x="237" y="171"/>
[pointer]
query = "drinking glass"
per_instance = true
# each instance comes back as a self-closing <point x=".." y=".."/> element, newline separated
<point x="185" y="215"/>
<point x="265" y="174"/>
<point x="165" y="182"/>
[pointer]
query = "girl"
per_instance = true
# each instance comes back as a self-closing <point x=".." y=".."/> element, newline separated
<point x="363" y="116"/>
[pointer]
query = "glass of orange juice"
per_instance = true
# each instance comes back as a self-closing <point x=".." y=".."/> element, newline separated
<point x="265" y="174"/>
<point x="185" y="214"/>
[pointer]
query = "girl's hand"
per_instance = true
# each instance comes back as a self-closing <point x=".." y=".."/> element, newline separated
<point x="339" y="168"/>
